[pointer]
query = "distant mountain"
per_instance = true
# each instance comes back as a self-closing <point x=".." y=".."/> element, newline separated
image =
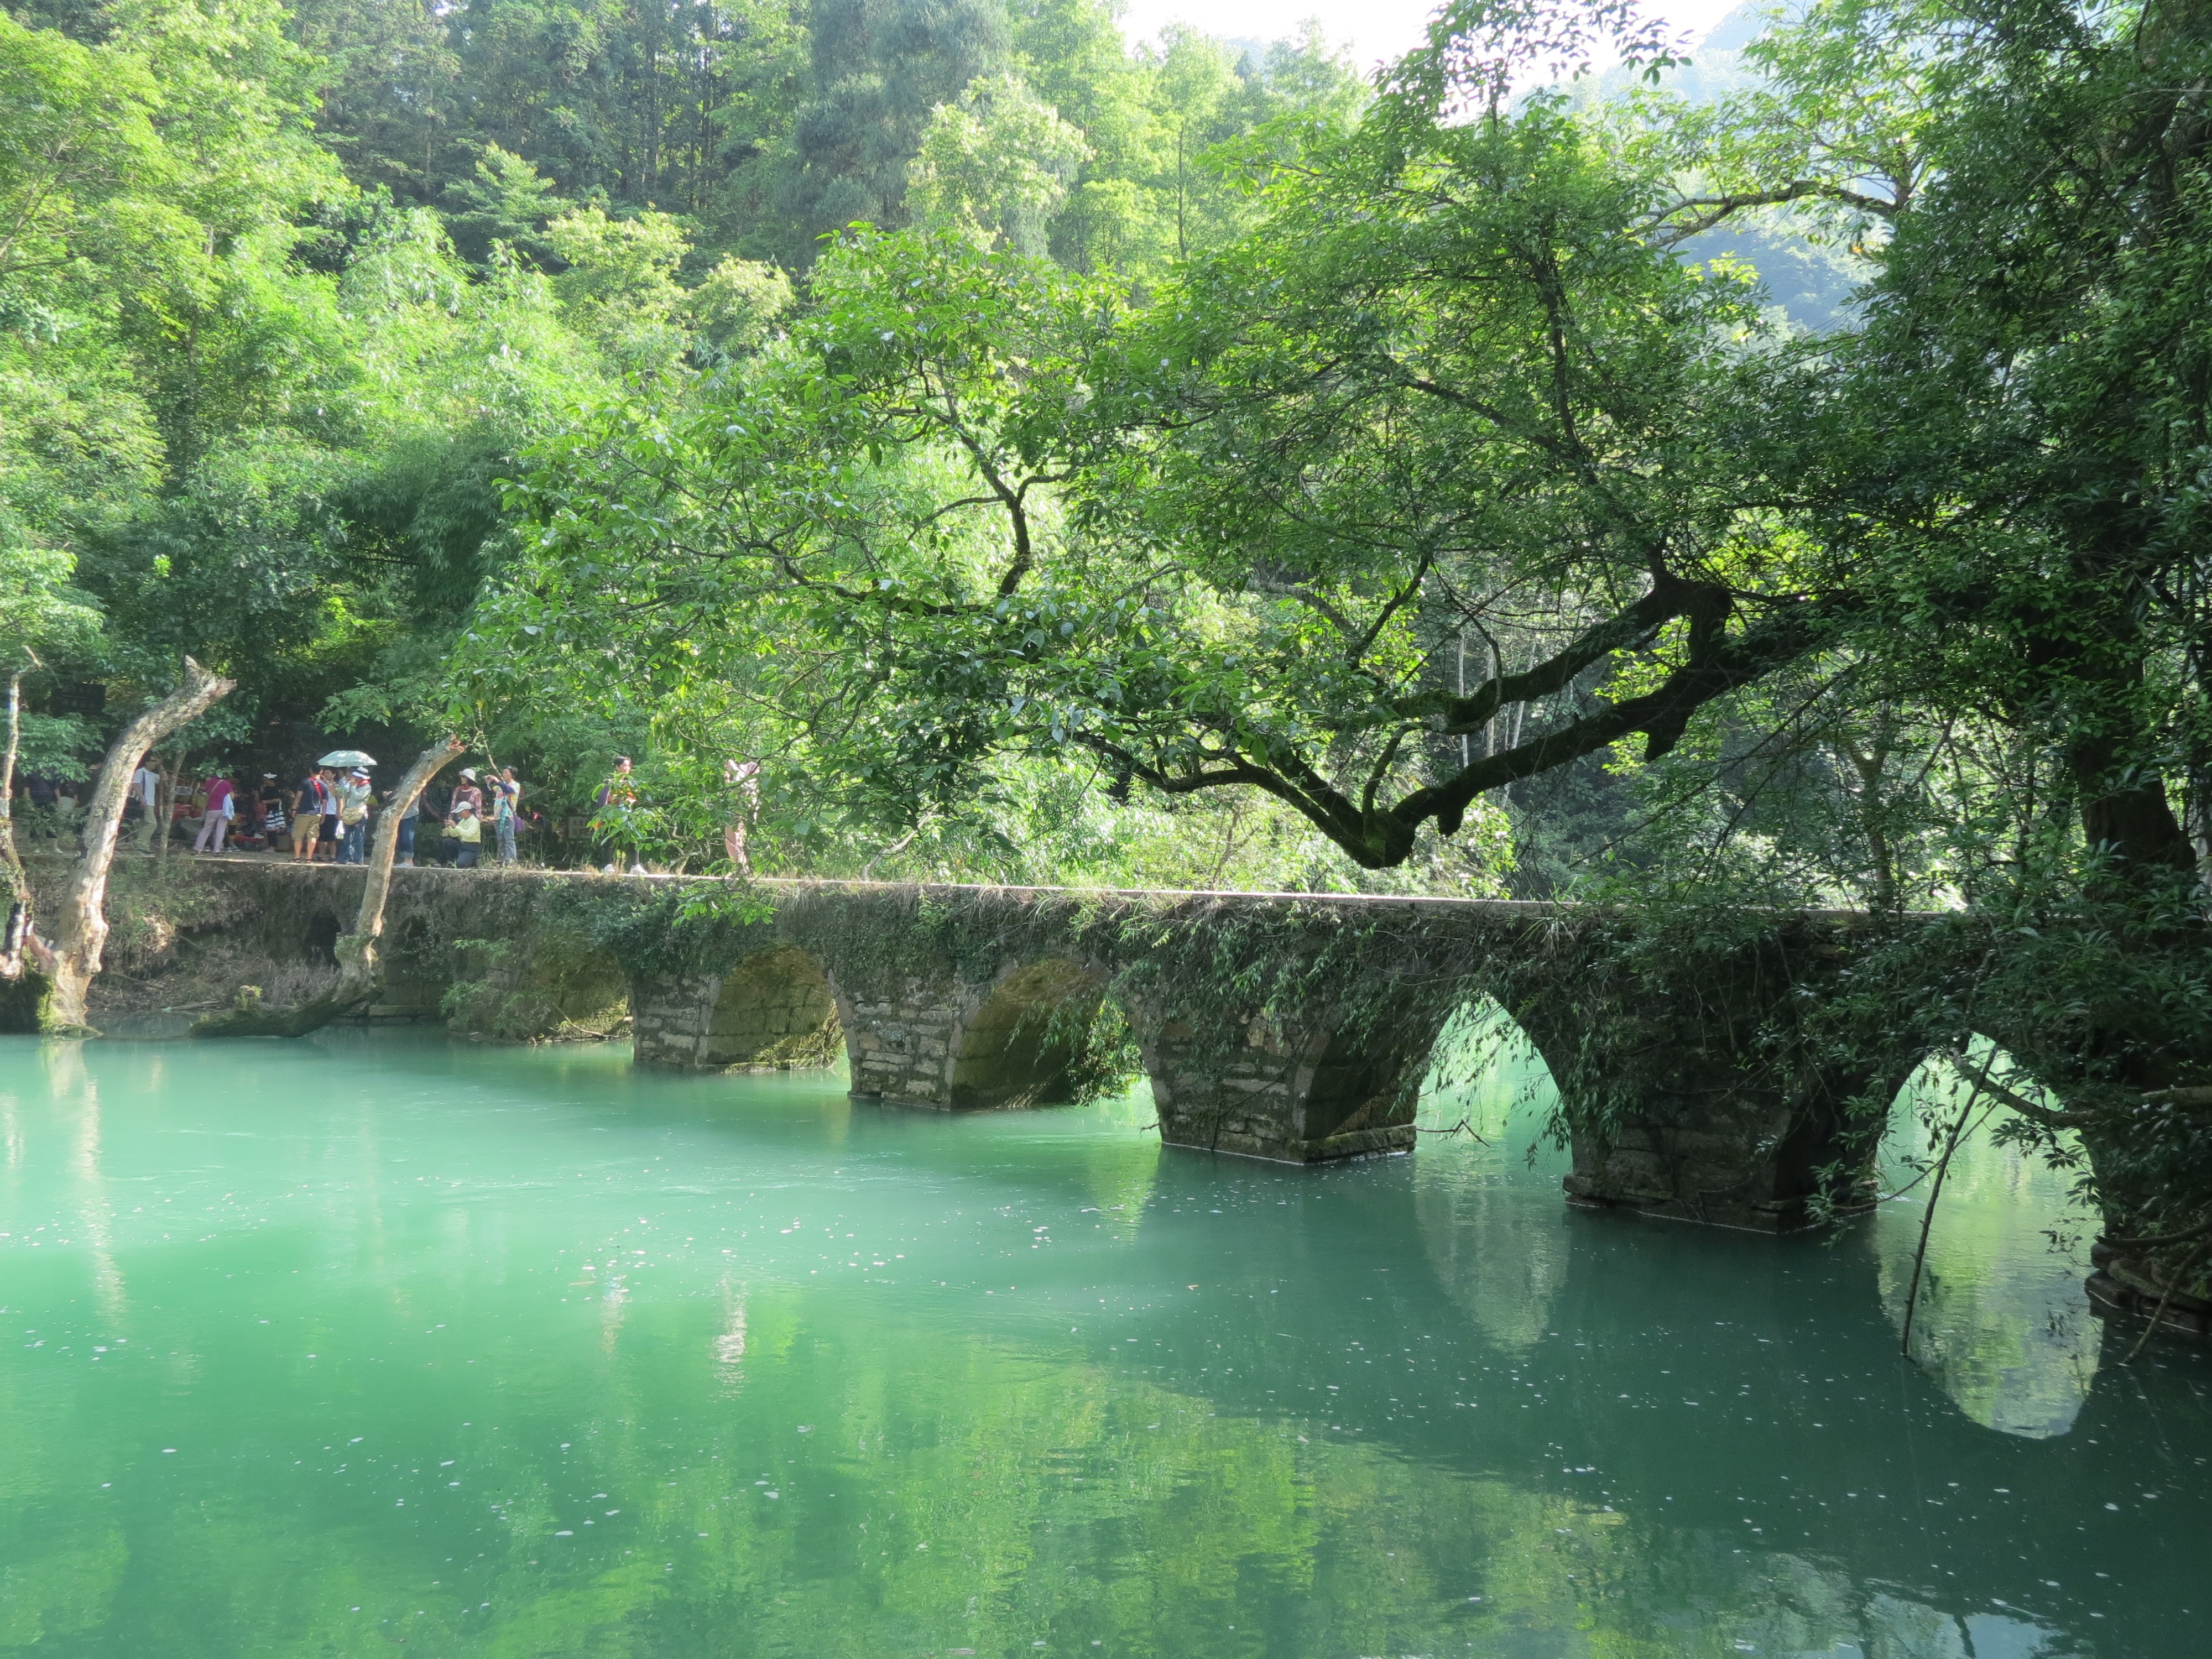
<point x="1740" y="27"/>
<point x="1810" y="283"/>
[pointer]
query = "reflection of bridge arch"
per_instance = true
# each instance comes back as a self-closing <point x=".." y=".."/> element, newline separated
<point x="1497" y="1242"/>
<point x="2000" y="1318"/>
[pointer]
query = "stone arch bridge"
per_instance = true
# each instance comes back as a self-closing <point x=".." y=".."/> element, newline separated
<point x="1290" y="1027"/>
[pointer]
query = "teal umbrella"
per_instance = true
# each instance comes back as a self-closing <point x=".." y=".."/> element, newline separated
<point x="347" y="757"/>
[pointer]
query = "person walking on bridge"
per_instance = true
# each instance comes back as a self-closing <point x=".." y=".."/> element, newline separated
<point x="742" y="780"/>
<point x="617" y="817"/>
<point x="146" y="792"/>
<point x="506" y="808"/>
<point x="353" y="818"/>
<point x="308" y="806"/>
<point x="221" y="804"/>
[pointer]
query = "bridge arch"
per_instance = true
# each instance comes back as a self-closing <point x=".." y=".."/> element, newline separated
<point x="417" y="967"/>
<point x="1486" y="1071"/>
<point x="559" y="987"/>
<point x="318" y="942"/>
<point x="1032" y="1039"/>
<point x="776" y="1011"/>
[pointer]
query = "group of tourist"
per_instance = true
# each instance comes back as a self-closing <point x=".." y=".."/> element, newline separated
<point x="328" y="815"/>
<point x="333" y="808"/>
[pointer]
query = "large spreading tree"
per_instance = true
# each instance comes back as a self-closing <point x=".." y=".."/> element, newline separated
<point x="1445" y="404"/>
<point x="1453" y="471"/>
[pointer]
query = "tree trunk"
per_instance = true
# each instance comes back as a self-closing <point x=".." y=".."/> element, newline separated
<point x="1870" y="763"/>
<point x="23" y="998"/>
<point x="19" y="885"/>
<point x="2124" y="809"/>
<point x="359" y="972"/>
<point x="72" y="961"/>
<point x="2137" y="824"/>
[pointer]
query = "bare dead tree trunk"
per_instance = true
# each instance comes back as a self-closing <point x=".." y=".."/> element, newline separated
<point x="359" y="972"/>
<point x="71" y="962"/>
<point x="19" y="883"/>
<point x="8" y="782"/>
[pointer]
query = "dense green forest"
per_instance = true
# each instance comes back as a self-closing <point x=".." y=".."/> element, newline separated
<point x="286" y="298"/>
<point x="1052" y="457"/>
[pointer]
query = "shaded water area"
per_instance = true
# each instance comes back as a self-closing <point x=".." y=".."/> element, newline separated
<point x="377" y="1343"/>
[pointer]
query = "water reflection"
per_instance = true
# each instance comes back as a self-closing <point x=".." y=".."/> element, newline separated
<point x="1495" y="1237"/>
<point x="915" y="1388"/>
<point x="2003" y="1325"/>
<point x="2002" y="1321"/>
<point x="1120" y="1167"/>
<point x="72" y="1086"/>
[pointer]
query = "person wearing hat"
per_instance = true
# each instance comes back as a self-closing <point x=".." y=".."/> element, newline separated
<point x="465" y="830"/>
<point x="353" y="816"/>
<point x="469" y="790"/>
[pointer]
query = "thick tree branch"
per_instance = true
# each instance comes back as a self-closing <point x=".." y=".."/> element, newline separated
<point x="1640" y="621"/>
<point x="1734" y="662"/>
<point x="1710" y="211"/>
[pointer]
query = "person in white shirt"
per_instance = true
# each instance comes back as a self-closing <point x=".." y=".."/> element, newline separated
<point x="145" y="790"/>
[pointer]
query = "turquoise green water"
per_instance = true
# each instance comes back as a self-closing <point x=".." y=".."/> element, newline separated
<point x="376" y="1344"/>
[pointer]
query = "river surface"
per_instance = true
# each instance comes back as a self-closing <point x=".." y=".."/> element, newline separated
<point x="376" y="1344"/>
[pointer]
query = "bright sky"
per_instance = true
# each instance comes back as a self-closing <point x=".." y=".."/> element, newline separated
<point x="1374" y="29"/>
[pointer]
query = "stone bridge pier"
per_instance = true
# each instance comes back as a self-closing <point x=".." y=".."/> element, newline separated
<point x="991" y="998"/>
<point x="1705" y="1099"/>
<point x="992" y="1022"/>
<point x="1301" y="1089"/>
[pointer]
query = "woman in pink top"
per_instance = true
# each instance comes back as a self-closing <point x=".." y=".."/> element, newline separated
<point x="216" y="820"/>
